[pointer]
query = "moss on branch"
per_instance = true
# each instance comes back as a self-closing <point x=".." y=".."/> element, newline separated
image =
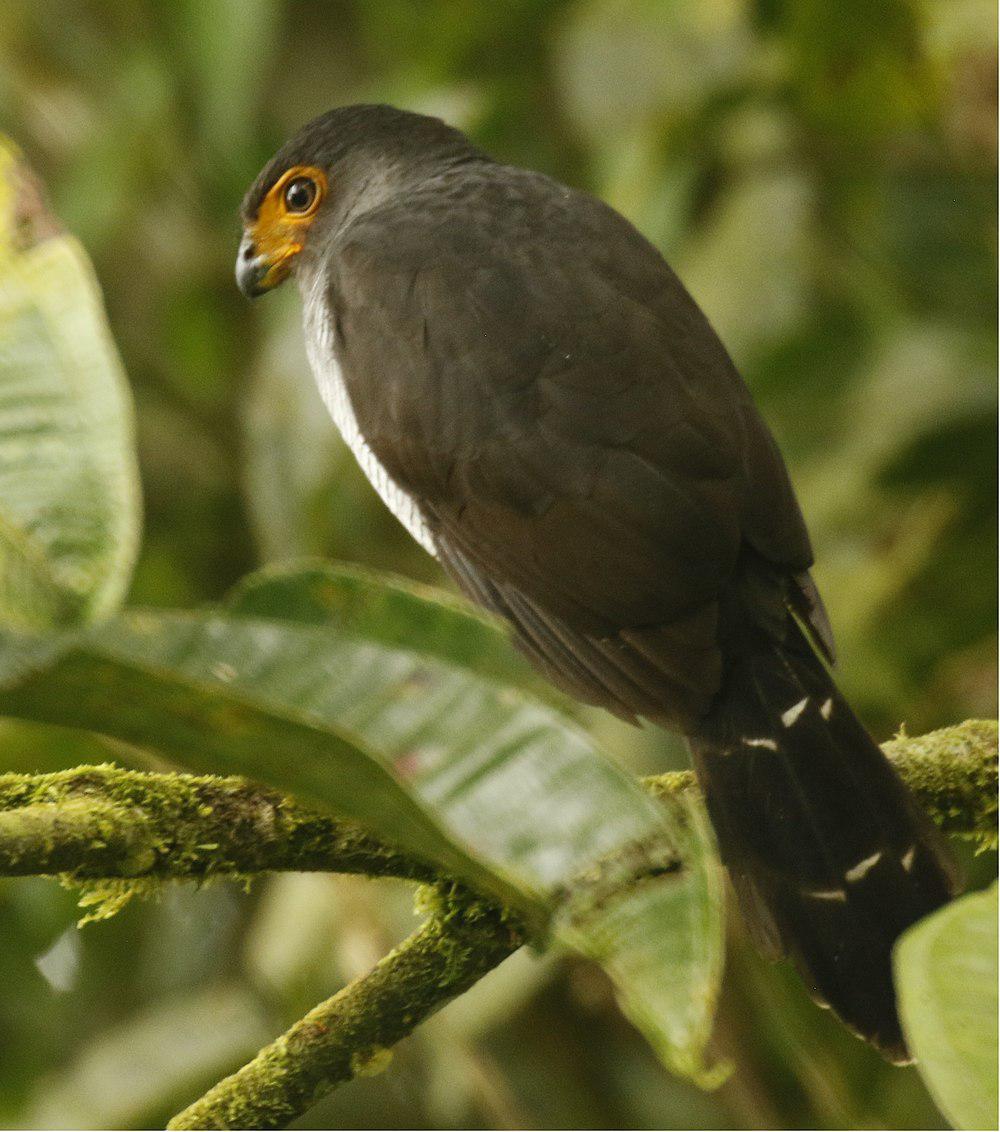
<point x="352" y="1033"/>
<point x="102" y="822"/>
<point x="954" y="774"/>
<point x="126" y="827"/>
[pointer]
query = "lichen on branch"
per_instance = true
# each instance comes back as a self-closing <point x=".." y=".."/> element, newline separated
<point x="954" y="774"/>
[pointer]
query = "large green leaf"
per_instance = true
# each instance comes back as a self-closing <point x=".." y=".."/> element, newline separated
<point x="393" y="611"/>
<point x="397" y="708"/>
<point x="69" y="508"/>
<point x="946" y="975"/>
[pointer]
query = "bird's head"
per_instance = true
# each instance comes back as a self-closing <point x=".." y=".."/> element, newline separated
<point x="275" y="232"/>
<point x="337" y="165"/>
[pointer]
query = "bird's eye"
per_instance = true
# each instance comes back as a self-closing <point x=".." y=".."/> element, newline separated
<point x="300" y="194"/>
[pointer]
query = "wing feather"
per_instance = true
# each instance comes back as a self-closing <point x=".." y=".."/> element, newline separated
<point x="527" y="367"/>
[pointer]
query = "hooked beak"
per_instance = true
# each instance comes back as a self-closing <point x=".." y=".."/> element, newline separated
<point x="251" y="269"/>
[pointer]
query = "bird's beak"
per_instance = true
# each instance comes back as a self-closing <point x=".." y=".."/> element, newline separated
<point x="264" y="262"/>
<point x="252" y="269"/>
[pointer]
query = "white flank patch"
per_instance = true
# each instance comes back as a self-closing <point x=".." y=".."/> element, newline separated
<point x="793" y="713"/>
<point x="321" y="348"/>
<point x="826" y="708"/>
<point x="908" y="857"/>
<point x="768" y="744"/>
<point x="862" y="868"/>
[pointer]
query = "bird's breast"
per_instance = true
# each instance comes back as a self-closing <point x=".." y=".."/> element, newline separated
<point x="321" y="347"/>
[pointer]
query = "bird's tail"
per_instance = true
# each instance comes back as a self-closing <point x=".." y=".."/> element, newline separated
<point x="830" y="856"/>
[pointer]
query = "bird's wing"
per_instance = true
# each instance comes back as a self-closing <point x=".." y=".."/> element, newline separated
<point x="534" y="375"/>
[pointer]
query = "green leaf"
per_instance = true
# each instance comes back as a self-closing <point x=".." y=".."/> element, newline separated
<point x="393" y="611"/>
<point x="167" y="682"/>
<point x="69" y="507"/>
<point x="396" y="708"/>
<point x="946" y="976"/>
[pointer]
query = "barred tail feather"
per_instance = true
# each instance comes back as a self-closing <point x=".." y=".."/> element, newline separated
<point x="830" y="856"/>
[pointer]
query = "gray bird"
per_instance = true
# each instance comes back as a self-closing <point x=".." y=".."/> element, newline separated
<point x="541" y="403"/>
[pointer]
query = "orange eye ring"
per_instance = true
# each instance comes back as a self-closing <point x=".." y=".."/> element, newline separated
<point x="278" y="232"/>
<point x="300" y="191"/>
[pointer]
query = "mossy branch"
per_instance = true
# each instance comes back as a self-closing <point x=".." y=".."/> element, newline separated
<point x="954" y="774"/>
<point x="105" y="823"/>
<point x="352" y="1034"/>
<point x="101" y="822"/>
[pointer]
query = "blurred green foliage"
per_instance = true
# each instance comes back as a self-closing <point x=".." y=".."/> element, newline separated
<point x="823" y="178"/>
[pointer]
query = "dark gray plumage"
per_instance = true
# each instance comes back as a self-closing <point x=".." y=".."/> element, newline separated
<point x="534" y="392"/>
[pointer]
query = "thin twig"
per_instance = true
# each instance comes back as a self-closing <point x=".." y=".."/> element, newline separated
<point x="352" y="1033"/>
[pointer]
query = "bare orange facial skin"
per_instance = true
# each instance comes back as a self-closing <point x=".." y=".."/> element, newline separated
<point x="279" y="231"/>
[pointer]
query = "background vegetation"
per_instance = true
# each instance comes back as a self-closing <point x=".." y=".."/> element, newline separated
<point x="822" y="176"/>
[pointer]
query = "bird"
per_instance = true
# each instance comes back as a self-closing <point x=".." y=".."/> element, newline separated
<point x="541" y="403"/>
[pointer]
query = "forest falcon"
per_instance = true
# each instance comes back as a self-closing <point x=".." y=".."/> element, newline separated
<point x="535" y="395"/>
